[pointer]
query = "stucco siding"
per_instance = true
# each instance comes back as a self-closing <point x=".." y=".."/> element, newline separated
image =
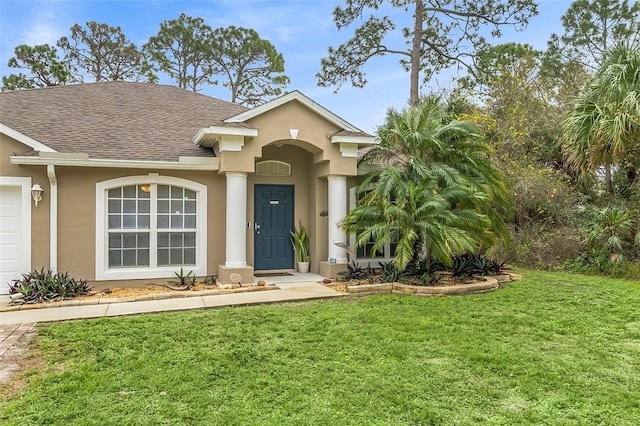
<point x="77" y="216"/>
<point x="39" y="214"/>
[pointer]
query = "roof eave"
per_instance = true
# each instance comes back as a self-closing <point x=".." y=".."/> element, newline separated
<point x="22" y="138"/>
<point x="83" y="160"/>
<point x="207" y="136"/>
<point x="360" y="140"/>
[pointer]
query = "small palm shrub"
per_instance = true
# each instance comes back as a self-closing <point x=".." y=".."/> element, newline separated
<point x="46" y="286"/>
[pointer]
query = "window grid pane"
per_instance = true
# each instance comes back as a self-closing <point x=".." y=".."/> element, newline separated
<point x="176" y="248"/>
<point x="176" y="208"/>
<point x="128" y="249"/>
<point x="128" y="207"/>
<point x="129" y="225"/>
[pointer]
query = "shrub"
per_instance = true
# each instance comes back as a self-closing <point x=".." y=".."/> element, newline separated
<point x="540" y="247"/>
<point x="468" y="264"/>
<point x="356" y="272"/>
<point x="45" y="286"/>
<point x="541" y="195"/>
<point x="389" y="272"/>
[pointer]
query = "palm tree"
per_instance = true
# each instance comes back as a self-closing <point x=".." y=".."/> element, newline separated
<point x="434" y="186"/>
<point x="603" y="127"/>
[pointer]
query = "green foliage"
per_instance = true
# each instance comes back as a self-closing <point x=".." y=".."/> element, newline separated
<point x="591" y="28"/>
<point x="433" y="186"/>
<point x="103" y="53"/>
<point x="540" y="246"/>
<point x="184" y="281"/>
<point x="43" y="65"/>
<point x="301" y="244"/>
<point x="46" y="286"/>
<point x="432" y="43"/>
<point x="252" y="67"/>
<point x="603" y="127"/>
<point x="388" y="272"/>
<point x="541" y="195"/>
<point x="611" y="230"/>
<point x="182" y="49"/>
<point x="357" y="272"/>
<point x="468" y="265"/>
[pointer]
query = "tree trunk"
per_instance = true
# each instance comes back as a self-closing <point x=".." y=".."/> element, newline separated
<point x="607" y="178"/>
<point x="415" y="54"/>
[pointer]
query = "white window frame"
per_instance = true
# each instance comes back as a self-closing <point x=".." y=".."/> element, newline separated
<point x="365" y="261"/>
<point x="103" y="272"/>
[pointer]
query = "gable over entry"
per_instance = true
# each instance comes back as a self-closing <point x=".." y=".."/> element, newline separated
<point x="292" y="141"/>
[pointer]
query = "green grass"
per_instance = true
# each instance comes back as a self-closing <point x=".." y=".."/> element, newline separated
<point x="553" y="349"/>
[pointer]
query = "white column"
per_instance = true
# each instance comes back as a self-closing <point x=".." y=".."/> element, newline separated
<point x="236" y="254"/>
<point x="53" y="218"/>
<point x="337" y="211"/>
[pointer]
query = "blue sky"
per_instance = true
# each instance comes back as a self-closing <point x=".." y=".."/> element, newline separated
<point x="300" y="29"/>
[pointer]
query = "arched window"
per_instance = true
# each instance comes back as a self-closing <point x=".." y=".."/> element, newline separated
<point x="273" y="168"/>
<point x="150" y="226"/>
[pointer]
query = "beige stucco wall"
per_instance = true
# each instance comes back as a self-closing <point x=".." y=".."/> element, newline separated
<point x="313" y="136"/>
<point x="77" y="225"/>
<point x="312" y="157"/>
<point x="39" y="214"/>
<point x="76" y="212"/>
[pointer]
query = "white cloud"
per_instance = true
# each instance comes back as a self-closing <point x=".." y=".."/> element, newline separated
<point x="44" y="26"/>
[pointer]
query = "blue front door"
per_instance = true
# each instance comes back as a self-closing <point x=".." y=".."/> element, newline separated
<point x="273" y="224"/>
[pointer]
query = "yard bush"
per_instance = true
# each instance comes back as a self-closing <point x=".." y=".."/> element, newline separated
<point x="46" y="286"/>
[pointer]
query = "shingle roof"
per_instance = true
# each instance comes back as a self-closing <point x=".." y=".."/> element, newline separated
<point x="350" y="133"/>
<point x="115" y="120"/>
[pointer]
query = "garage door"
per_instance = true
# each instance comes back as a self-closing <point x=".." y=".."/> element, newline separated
<point x="14" y="256"/>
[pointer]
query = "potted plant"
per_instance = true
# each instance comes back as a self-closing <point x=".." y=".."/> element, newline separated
<point x="300" y="242"/>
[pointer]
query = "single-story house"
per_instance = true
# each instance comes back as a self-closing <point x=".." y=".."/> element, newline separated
<point x="139" y="180"/>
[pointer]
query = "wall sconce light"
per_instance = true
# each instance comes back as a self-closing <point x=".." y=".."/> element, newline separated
<point x="36" y="193"/>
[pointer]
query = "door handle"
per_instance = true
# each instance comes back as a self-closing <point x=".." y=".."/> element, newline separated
<point x="256" y="227"/>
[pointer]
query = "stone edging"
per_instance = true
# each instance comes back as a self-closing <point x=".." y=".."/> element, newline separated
<point x="490" y="284"/>
<point x="154" y="296"/>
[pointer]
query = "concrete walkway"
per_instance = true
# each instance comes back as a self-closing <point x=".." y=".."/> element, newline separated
<point x="292" y="288"/>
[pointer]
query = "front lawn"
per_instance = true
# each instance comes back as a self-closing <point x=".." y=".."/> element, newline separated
<point x="550" y="349"/>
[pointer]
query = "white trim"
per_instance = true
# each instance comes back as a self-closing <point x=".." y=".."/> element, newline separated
<point x="184" y="163"/>
<point x="362" y="140"/>
<point x="22" y="138"/>
<point x="25" y="187"/>
<point x="102" y="270"/>
<point x="53" y="218"/>
<point x="291" y="96"/>
<point x="231" y="143"/>
<point x="219" y="131"/>
<point x="349" y="150"/>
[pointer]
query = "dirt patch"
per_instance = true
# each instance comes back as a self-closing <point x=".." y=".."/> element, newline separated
<point x="18" y="362"/>
<point x="141" y="291"/>
<point x="337" y="286"/>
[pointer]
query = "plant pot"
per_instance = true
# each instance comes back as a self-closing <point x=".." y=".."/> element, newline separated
<point x="303" y="267"/>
